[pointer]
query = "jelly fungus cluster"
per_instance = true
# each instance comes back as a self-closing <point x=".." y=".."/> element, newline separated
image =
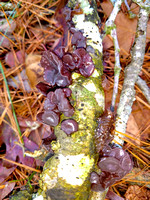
<point x="115" y="163"/>
<point x="58" y="67"/>
<point x="103" y="133"/>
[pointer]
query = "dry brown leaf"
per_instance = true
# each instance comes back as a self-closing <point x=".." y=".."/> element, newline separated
<point x="12" y="59"/>
<point x="133" y="130"/>
<point x="34" y="70"/>
<point x="20" y="81"/>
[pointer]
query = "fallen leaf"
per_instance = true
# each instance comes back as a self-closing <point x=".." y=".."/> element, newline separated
<point x="14" y="150"/>
<point x="34" y="71"/>
<point x="4" y="26"/>
<point x="6" y="29"/>
<point x="133" y="130"/>
<point x="5" y="172"/>
<point x="4" y="41"/>
<point x="7" y="189"/>
<point x="11" y="61"/>
<point x="17" y="83"/>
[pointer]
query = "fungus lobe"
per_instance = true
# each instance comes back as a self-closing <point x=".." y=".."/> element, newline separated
<point x="69" y="126"/>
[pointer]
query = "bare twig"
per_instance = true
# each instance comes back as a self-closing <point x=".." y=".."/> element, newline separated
<point x="110" y="28"/>
<point x="145" y="89"/>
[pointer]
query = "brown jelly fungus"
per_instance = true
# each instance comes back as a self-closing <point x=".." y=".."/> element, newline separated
<point x="69" y="126"/>
<point x="103" y="132"/>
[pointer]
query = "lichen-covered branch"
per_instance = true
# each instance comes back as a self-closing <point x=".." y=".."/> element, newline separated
<point x="112" y="17"/>
<point x="67" y="174"/>
<point x="131" y="74"/>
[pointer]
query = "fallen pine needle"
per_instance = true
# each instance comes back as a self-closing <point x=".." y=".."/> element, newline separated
<point x="21" y="165"/>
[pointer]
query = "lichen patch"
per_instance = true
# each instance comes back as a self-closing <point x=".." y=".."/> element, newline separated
<point x="74" y="168"/>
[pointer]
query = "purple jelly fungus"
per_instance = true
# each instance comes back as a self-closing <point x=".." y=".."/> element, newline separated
<point x="48" y="117"/>
<point x="115" y="164"/>
<point x="51" y="118"/>
<point x="54" y="71"/>
<point x="94" y="178"/>
<point x="63" y="104"/>
<point x="113" y="196"/>
<point x="84" y="62"/>
<point x="96" y="187"/>
<point x="44" y="88"/>
<point x="108" y="164"/>
<point x="50" y="102"/>
<point x="126" y="163"/>
<point x="69" y="61"/>
<point x="95" y="182"/>
<point x="78" y="40"/>
<point x="60" y="51"/>
<point x="39" y="117"/>
<point x="69" y="126"/>
<point x="67" y="92"/>
<point x="117" y="153"/>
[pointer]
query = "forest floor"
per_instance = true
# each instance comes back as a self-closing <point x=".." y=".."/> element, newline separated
<point x="27" y="29"/>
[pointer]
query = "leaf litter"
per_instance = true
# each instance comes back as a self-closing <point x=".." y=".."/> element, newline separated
<point x="33" y="30"/>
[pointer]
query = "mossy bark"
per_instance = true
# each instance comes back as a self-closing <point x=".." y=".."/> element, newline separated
<point x="66" y="175"/>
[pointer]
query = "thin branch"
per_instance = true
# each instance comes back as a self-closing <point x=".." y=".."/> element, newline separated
<point x="145" y="89"/>
<point x="110" y="28"/>
<point x="131" y="74"/>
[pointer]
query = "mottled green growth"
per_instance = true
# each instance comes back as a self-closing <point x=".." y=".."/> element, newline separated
<point x="98" y="195"/>
<point x="22" y="195"/>
<point x="108" y="29"/>
<point x="67" y="173"/>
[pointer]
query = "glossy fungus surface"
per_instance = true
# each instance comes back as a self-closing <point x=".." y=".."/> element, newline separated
<point x="84" y="62"/>
<point x="49" y="117"/>
<point x="54" y="71"/>
<point x="44" y="88"/>
<point x="59" y="64"/>
<point x="69" y="126"/>
<point x="63" y="103"/>
<point x="115" y="163"/>
<point x="69" y="61"/>
<point x="77" y="38"/>
<point x="55" y="104"/>
<point x="103" y="132"/>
